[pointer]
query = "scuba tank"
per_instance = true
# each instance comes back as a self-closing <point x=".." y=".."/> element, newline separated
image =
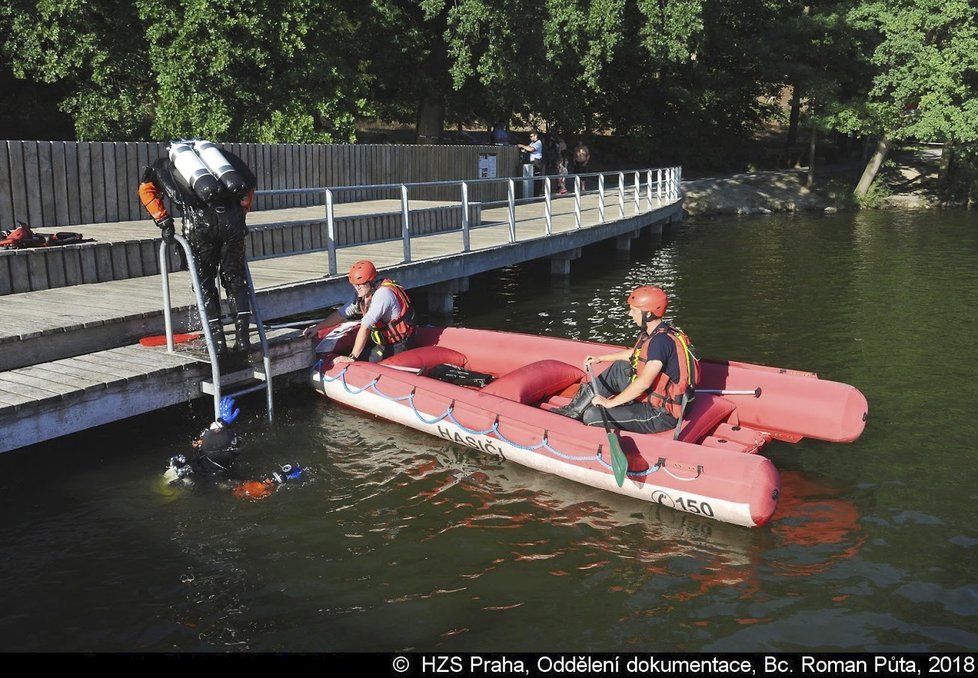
<point x="219" y="166"/>
<point x="192" y="169"/>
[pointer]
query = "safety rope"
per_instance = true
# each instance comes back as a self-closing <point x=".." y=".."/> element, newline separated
<point x="449" y="414"/>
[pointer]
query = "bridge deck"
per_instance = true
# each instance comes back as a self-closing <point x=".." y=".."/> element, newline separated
<point x="70" y="358"/>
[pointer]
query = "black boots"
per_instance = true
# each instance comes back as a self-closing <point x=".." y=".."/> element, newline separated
<point x="242" y="330"/>
<point x="242" y="336"/>
<point x="217" y="332"/>
<point x="575" y="408"/>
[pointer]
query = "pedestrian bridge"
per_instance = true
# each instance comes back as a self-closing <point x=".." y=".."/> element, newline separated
<point x="73" y="315"/>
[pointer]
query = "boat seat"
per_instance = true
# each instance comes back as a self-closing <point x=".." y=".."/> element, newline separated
<point x="706" y="412"/>
<point x="533" y="382"/>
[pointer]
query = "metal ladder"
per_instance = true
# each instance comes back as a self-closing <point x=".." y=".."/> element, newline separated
<point x="216" y="384"/>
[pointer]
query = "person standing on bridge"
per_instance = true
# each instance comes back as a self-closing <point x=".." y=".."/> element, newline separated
<point x="213" y="190"/>
<point x="648" y="386"/>
<point x="386" y="311"/>
<point x="535" y="149"/>
<point x="581" y="159"/>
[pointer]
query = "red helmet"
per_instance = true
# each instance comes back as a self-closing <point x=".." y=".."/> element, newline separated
<point x="362" y="272"/>
<point x="649" y="299"/>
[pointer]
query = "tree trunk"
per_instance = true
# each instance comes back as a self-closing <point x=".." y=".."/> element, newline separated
<point x="944" y="167"/>
<point x="793" y="121"/>
<point x="811" y="153"/>
<point x="431" y="120"/>
<point x="873" y="165"/>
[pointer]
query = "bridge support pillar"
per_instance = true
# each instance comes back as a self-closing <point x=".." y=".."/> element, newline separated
<point x="623" y="244"/>
<point x="441" y="297"/>
<point x="560" y="263"/>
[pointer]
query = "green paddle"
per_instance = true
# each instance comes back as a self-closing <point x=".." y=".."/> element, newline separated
<point x="619" y="463"/>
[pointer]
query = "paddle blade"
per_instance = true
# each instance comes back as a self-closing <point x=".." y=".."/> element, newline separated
<point x="160" y="340"/>
<point x="619" y="462"/>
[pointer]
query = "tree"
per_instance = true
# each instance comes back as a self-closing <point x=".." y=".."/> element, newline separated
<point x="242" y="70"/>
<point x="254" y="71"/>
<point x="690" y="80"/>
<point x="91" y="51"/>
<point x="925" y="80"/>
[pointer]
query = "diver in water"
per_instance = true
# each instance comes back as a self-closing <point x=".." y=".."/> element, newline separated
<point x="215" y="452"/>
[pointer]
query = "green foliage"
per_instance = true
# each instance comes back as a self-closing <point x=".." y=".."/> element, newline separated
<point x="93" y="44"/>
<point x="924" y="55"/>
<point x="243" y="69"/>
<point x="688" y="81"/>
<point x="962" y="182"/>
<point x="875" y="197"/>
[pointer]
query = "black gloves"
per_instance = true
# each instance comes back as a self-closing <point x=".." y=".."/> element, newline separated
<point x="167" y="229"/>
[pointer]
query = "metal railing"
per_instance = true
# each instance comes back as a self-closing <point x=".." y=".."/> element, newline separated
<point x="265" y="376"/>
<point x="652" y="188"/>
<point x="641" y="189"/>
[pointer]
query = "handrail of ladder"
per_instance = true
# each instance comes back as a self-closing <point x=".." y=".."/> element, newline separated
<point x="205" y="326"/>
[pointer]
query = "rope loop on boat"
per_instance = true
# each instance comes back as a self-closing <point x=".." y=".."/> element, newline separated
<point x="662" y="463"/>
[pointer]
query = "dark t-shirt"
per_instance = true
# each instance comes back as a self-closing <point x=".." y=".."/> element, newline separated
<point x="662" y="348"/>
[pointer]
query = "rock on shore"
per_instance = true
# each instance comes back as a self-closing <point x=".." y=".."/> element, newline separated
<point x="754" y="193"/>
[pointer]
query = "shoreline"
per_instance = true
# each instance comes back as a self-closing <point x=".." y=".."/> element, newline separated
<point x="772" y="191"/>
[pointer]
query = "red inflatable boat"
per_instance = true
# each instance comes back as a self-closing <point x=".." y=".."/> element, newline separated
<point x="712" y="469"/>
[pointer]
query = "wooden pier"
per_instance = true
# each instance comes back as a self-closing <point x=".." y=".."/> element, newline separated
<point x="72" y="316"/>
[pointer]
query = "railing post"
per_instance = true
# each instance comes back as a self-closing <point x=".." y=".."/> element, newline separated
<point x="548" y="211"/>
<point x="165" y="277"/>
<point x="638" y="191"/>
<point x="621" y="195"/>
<point x="405" y="223"/>
<point x="511" y="198"/>
<point x="601" y="197"/>
<point x="465" y="217"/>
<point x="330" y="234"/>
<point x="658" y="184"/>
<point x="648" y="188"/>
<point x="201" y="311"/>
<point x="577" y="201"/>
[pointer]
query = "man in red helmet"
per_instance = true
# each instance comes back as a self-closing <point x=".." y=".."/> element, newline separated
<point x="648" y="386"/>
<point x="387" y="315"/>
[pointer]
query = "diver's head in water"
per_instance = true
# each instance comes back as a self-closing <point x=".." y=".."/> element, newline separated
<point x="215" y="449"/>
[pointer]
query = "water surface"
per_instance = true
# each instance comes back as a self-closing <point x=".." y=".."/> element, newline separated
<point x="395" y="540"/>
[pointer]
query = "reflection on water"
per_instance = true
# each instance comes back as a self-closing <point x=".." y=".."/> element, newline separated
<point x="395" y="540"/>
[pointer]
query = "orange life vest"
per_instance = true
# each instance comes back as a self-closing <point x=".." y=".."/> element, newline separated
<point x="664" y="392"/>
<point x="398" y="329"/>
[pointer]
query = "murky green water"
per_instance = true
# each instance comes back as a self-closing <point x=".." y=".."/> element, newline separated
<point x="395" y="540"/>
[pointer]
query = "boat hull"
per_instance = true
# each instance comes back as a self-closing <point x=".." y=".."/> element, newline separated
<point x="713" y="470"/>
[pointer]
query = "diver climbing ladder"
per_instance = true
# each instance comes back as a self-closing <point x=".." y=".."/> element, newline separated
<point x="247" y="380"/>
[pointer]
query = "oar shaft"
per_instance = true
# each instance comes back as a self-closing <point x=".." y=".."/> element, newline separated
<point x="756" y="392"/>
<point x="298" y="323"/>
<point x="619" y="463"/>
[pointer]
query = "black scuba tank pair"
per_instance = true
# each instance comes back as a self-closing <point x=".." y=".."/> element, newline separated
<point x="205" y="169"/>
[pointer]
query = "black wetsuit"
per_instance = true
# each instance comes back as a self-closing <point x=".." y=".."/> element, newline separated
<point x="216" y="232"/>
